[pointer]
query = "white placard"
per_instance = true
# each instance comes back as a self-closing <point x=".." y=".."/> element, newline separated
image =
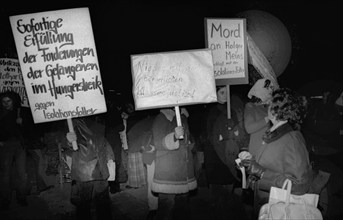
<point x="173" y="79"/>
<point x="59" y="63"/>
<point x="11" y="79"/>
<point x="227" y="40"/>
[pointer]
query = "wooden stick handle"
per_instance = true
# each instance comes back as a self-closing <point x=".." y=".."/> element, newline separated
<point x="71" y="129"/>
<point x="178" y="117"/>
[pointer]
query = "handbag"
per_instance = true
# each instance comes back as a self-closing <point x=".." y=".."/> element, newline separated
<point x="284" y="205"/>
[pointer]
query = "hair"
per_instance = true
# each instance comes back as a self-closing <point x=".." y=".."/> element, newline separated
<point x="12" y="95"/>
<point x="287" y="105"/>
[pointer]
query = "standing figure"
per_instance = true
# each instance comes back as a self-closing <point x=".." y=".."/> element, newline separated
<point x="113" y="126"/>
<point x="174" y="174"/>
<point x="227" y="138"/>
<point x="283" y="154"/>
<point x="256" y="113"/>
<point x="90" y="169"/>
<point x="11" y="149"/>
<point x="138" y="136"/>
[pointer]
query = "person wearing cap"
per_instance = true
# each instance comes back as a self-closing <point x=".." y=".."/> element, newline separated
<point x="11" y="149"/>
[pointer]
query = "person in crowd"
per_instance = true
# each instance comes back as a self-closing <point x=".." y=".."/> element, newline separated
<point x="90" y="170"/>
<point x="11" y="149"/>
<point x="113" y="126"/>
<point x="256" y="119"/>
<point x="137" y="137"/>
<point x="142" y="135"/>
<point x="132" y="157"/>
<point x="148" y="157"/>
<point x="228" y="136"/>
<point x="283" y="153"/>
<point x="174" y="175"/>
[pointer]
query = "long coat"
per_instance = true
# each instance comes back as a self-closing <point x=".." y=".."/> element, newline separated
<point x="284" y="155"/>
<point x="174" y="169"/>
<point x="89" y="162"/>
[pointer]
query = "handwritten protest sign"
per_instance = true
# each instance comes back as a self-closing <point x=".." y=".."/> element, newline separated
<point x="11" y="79"/>
<point x="59" y="63"/>
<point x="227" y="40"/>
<point x="173" y="79"/>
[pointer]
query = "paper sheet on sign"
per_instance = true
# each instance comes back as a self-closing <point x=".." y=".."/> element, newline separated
<point x="59" y="63"/>
<point x="173" y="78"/>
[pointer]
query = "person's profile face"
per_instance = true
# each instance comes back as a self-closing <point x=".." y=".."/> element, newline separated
<point x="271" y="116"/>
<point x="222" y="95"/>
<point x="7" y="103"/>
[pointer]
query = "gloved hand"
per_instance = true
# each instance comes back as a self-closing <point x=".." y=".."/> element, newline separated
<point x="253" y="168"/>
<point x="71" y="136"/>
<point x="179" y="132"/>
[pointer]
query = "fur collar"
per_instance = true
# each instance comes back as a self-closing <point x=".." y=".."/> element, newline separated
<point x="277" y="133"/>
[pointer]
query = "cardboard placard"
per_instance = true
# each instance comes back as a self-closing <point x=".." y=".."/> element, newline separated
<point x="173" y="79"/>
<point x="11" y="79"/>
<point x="59" y="63"/>
<point x="227" y="40"/>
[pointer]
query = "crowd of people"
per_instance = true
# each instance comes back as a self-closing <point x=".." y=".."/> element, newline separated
<point x="152" y="148"/>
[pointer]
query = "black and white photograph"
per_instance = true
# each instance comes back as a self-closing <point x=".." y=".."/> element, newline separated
<point x="171" y="110"/>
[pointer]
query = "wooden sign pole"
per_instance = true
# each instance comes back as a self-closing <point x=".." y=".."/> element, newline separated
<point x="71" y="129"/>
<point x="178" y="117"/>
<point x="228" y="101"/>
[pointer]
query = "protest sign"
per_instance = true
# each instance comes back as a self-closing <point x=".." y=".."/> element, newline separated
<point x="227" y="40"/>
<point x="173" y="79"/>
<point x="11" y="79"/>
<point x="59" y="64"/>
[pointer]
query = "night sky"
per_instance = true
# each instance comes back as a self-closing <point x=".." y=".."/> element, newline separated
<point x="122" y="28"/>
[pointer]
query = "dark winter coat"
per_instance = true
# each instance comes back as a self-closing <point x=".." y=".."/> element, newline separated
<point x="284" y="155"/>
<point x="174" y="169"/>
<point x="89" y="162"/>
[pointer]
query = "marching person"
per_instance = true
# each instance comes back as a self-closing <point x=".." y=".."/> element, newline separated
<point x="174" y="175"/>
<point x="90" y="168"/>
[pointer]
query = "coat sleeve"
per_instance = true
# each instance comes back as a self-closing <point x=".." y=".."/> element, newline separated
<point x="250" y="123"/>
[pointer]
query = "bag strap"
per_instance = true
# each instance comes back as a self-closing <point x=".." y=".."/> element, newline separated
<point x="287" y="183"/>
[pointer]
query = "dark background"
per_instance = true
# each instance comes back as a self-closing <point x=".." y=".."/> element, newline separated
<point x="122" y="28"/>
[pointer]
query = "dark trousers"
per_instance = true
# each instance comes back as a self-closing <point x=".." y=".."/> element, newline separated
<point x="173" y="206"/>
<point x="86" y="195"/>
<point x="12" y="156"/>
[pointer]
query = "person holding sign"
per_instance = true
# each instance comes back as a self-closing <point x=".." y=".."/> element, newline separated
<point x="174" y="175"/>
<point x="11" y="149"/>
<point x="90" y="169"/>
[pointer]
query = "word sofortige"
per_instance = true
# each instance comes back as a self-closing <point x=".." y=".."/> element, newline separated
<point x="43" y="25"/>
<point x="59" y="113"/>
